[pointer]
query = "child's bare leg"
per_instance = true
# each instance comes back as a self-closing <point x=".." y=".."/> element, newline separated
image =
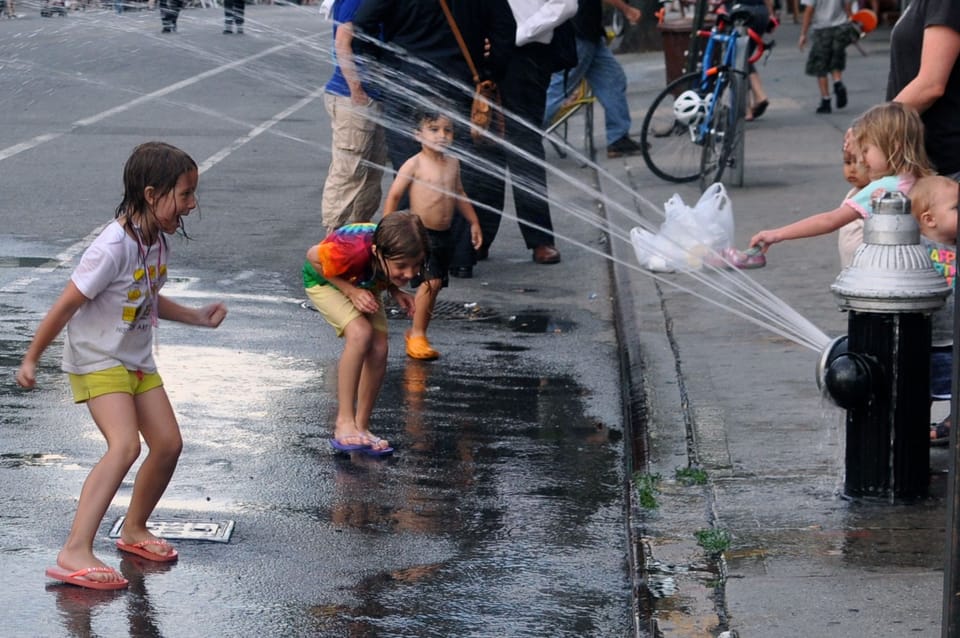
<point x="116" y="417"/>
<point x="158" y="424"/>
<point x="358" y="339"/>
<point x="371" y="380"/>
<point x="824" y="87"/>
<point x="424" y="303"/>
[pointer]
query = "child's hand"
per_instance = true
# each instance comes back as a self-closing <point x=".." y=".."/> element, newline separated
<point x="405" y="300"/>
<point x="213" y="315"/>
<point x="27" y="375"/>
<point x="476" y="236"/>
<point x="363" y="300"/>
<point x="764" y="239"/>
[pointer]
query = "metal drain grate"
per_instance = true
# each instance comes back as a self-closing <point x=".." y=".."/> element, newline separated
<point x="215" y="531"/>
<point x="451" y="310"/>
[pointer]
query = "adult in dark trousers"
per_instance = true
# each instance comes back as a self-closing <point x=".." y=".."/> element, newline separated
<point x="604" y="73"/>
<point x="524" y="93"/>
<point x="169" y="12"/>
<point x="233" y="15"/>
<point x="924" y="48"/>
<point x="421" y="30"/>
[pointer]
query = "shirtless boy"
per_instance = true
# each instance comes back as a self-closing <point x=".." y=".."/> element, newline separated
<point x="431" y="178"/>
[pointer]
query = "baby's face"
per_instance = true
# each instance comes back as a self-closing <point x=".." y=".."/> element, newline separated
<point x="853" y="171"/>
<point x="943" y="209"/>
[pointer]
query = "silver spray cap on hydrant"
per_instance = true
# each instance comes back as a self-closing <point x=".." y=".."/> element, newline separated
<point x="891" y="272"/>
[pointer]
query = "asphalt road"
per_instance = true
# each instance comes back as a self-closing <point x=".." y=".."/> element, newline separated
<point x="502" y="511"/>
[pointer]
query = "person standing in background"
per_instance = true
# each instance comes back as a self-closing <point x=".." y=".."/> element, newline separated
<point x="924" y="46"/>
<point x="351" y="192"/>
<point x="828" y="20"/>
<point x="233" y="15"/>
<point x="169" y="12"/>
<point x="545" y="44"/>
<point x="431" y="60"/>
<point x="604" y="73"/>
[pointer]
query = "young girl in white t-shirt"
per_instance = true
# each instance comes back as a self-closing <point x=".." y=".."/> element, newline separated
<point x="110" y="308"/>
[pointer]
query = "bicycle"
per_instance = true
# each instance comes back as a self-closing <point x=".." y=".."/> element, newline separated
<point x="581" y="98"/>
<point x="694" y="129"/>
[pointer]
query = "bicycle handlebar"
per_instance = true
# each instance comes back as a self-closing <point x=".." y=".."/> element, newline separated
<point x="761" y="44"/>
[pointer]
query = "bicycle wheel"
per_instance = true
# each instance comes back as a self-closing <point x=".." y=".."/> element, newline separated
<point x="739" y="88"/>
<point x="720" y="138"/>
<point x="668" y="145"/>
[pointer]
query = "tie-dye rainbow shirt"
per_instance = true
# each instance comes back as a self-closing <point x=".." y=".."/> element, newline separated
<point x="344" y="253"/>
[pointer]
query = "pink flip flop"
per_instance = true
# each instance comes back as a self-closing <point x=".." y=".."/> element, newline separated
<point x="139" y="550"/>
<point x="79" y="577"/>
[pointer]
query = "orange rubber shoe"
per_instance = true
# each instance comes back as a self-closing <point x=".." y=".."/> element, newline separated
<point x="419" y="348"/>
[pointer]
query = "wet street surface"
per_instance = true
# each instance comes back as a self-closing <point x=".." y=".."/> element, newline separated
<point x="502" y="510"/>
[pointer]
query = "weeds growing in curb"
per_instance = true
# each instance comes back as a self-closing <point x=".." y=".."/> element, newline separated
<point x="691" y="476"/>
<point x="646" y="486"/>
<point x="714" y="541"/>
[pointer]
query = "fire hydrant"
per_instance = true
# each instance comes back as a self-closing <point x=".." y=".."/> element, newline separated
<point x="880" y="371"/>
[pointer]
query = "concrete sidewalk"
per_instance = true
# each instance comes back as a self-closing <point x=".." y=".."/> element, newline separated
<point x="711" y="390"/>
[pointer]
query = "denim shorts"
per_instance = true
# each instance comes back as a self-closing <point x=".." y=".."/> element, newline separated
<point x="941" y="373"/>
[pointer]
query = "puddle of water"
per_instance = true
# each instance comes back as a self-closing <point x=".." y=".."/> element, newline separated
<point x="26" y="262"/>
<point x="13" y="461"/>
<point x="539" y="323"/>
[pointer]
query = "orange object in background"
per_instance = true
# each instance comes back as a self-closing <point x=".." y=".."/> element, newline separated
<point x="866" y="18"/>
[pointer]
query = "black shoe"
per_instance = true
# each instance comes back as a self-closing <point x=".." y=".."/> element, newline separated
<point x="623" y="146"/>
<point x="840" y="91"/>
<point x="461" y="272"/>
<point x="239" y="30"/>
<point x="546" y="254"/>
<point x="227" y="30"/>
<point x="166" y="30"/>
<point x="824" y="106"/>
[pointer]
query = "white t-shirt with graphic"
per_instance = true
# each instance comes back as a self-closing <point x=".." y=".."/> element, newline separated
<point x="121" y="280"/>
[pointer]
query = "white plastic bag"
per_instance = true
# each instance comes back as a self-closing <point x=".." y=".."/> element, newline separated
<point x="688" y="233"/>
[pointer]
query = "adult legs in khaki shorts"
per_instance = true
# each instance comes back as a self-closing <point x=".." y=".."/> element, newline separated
<point x="352" y="191"/>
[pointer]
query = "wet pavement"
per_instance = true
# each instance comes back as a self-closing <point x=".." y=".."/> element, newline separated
<point x="509" y="507"/>
<point x="502" y="511"/>
<point x="712" y="391"/>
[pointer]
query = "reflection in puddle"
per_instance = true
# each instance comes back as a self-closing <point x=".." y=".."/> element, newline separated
<point x="223" y="384"/>
<point x="13" y="461"/>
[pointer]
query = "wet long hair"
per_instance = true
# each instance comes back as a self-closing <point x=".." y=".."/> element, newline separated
<point x="897" y="130"/>
<point x="155" y="164"/>
<point x="399" y="235"/>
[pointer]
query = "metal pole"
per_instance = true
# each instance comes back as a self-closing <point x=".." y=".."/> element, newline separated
<point x="950" y="624"/>
<point x="693" y="51"/>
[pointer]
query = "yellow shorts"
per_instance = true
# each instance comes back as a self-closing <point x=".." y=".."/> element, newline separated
<point x="338" y="310"/>
<point x="117" y="379"/>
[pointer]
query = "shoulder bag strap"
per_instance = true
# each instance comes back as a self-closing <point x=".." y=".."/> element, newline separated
<point x="463" y="45"/>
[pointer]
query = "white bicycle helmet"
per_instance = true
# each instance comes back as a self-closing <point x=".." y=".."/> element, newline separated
<point x="689" y="108"/>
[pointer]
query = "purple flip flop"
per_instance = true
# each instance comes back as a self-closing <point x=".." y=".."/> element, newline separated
<point x="374" y="451"/>
<point x="347" y="447"/>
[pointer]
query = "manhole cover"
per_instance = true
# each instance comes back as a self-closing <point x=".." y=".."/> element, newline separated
<point x="215" y="531"/>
